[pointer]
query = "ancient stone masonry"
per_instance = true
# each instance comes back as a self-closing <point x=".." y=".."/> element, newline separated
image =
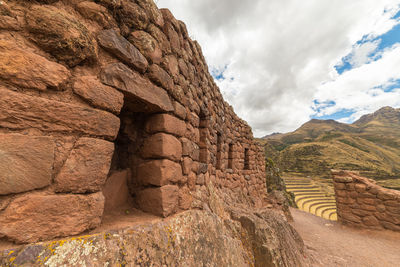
<point x="362" y="203"/>
<point x="95" y="95"/>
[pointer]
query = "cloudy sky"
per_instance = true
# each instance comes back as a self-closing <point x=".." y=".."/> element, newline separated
<point x="280" y="63"/>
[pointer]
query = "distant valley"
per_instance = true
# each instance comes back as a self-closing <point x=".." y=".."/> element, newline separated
<point x="371" y="145"/>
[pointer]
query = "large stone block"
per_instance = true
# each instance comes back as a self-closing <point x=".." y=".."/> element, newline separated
<point x="162" y="201"/>
<point x="36" y="217"/>
<point x="111" y="41"/>
<point x="160" y="77"/>
<point x="26" y="162"/>
<point x="162" y="145"/>
<point x="116" y="191"/>
<point x="20" y="111"/>
<point x="166" y="123"/>
<point x="21" y="67"/>
<point x="159" y="172"/>
<point x="86" y="168"/>
<point x="136" y="88"/>
<point x="98" y="94"/>
<point x="60" y="34"/>
<point x="147" y="45"/>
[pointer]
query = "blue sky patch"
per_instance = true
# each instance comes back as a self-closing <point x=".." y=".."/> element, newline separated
<point x="385" y="41"/>
<point x="344" y="113"/>
<point x="218" y="74"/>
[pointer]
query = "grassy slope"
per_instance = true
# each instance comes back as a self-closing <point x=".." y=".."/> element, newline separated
<point x="371" y="145"/>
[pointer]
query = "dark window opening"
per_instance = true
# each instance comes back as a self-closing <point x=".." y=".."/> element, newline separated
<point x="219" y="151"/>
<point x="203" y="139"/>
<point x="246" y="159"/>
<point x="230" y="157"/>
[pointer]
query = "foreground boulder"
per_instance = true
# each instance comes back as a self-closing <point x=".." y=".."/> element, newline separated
<point x="192" y="238"/>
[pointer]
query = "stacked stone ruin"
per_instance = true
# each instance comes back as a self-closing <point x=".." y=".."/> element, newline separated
<point x="110" y="92"/>
<point x="362" y="203"/>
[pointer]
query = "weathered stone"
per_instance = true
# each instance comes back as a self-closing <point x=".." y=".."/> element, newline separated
<point x="21" y="67"/>
<point x="192" y="178"/>
<point x="26" y="162"/>
<point x="388" y="195"/>
<point x="351" y="217"/>
<point x="370" y="221"/>
<point x="122" y="49"/>
<point x="37" y="216"/>
<point x="179" y="110"/>
<point x="160" y="77"/>
<point x="60" y="34"/>
<point x="98" y="94"/>
<point x="136" y="88"/>
<point x="185" y="198"/>
<point x="166" y="123"/>
<point x="116" y="191"/>
<point x="20" y="111"/>
<point x="159" y="172"/>
<point x="152" y="11"/>
<point x="391" y="226"/>
<point x="187" y="165"/>
<point x="162" y="145"/>
<point x="95" y="12"/>
<point x="161" y="201"/>
<point x="170" y="64"/>
<point x="86" y="168"/>
<point x="132" y="15"/>
<point x="161" y="38"/>
<point x="147" y="45"/>
<point x="345" y="179"/>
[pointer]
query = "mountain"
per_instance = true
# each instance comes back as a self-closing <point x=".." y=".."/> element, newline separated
<point x="370" y="145"/>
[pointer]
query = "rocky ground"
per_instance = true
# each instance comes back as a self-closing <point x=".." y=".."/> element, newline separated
<point x="332" y="244"/>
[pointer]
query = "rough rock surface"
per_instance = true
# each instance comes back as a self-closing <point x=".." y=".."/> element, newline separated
<point x="213" y="237"/>
<point x="26" y="162"/>
<point x="39" y="216"/>
<point x="86" y="168"/>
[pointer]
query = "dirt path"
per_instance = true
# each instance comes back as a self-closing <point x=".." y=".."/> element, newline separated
<point x="333" y="244"/>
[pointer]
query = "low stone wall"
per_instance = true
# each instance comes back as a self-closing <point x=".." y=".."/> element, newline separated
<point x="362" y="203"/>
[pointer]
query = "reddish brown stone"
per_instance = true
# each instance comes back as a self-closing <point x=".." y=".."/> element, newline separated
<point x="115" y="191"/>
<point x="187" y="165"/>
<point x="190" y="149"/>
<point x="160" y="37"/>
<point x="185" y="198"/>
<point x="368" y="201"/>
<point x="170" y="64"/>
<point x="147" y="45"/>
<point x="162" y="145"/>
<point x="24" y="68"/>
<point x="388" y="195"/>
<point x="37" y="216"/>
<point x="179" y="110"/>
<point x="166" y="123"/>
<point x="160" y="77"/>
<point x="192" y="178"/>
<point x="60" y="34"/>
<point x="99" y="95"/>
<point x="132" y="15"/>
<point x="20" y="111"/>
<point x="87" y="167"/>
<point x="26" y="162"/>
<point x="137" y="88"/>
<point x="341" y="193"/>
<point x="111" y="41"/>
<point x="95" y="12"/>
<point x="391" y="226"/>
<point x="159" y="172"/>
<point x="350" y="217"/>
<point x="360" y="188"/>
<point x="153" y="12"/>
<point x="370" y="221"/>
<point x="162" y="201"/>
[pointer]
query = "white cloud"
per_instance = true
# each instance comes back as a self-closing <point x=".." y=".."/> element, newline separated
<point x="278" y="53"/>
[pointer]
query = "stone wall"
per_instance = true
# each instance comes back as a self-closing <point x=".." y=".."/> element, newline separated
<point x="98" y="90"/>
<point x="362" y="203"/>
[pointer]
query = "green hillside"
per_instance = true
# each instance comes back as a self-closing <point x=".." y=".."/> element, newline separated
<point x="370" y="145"/>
